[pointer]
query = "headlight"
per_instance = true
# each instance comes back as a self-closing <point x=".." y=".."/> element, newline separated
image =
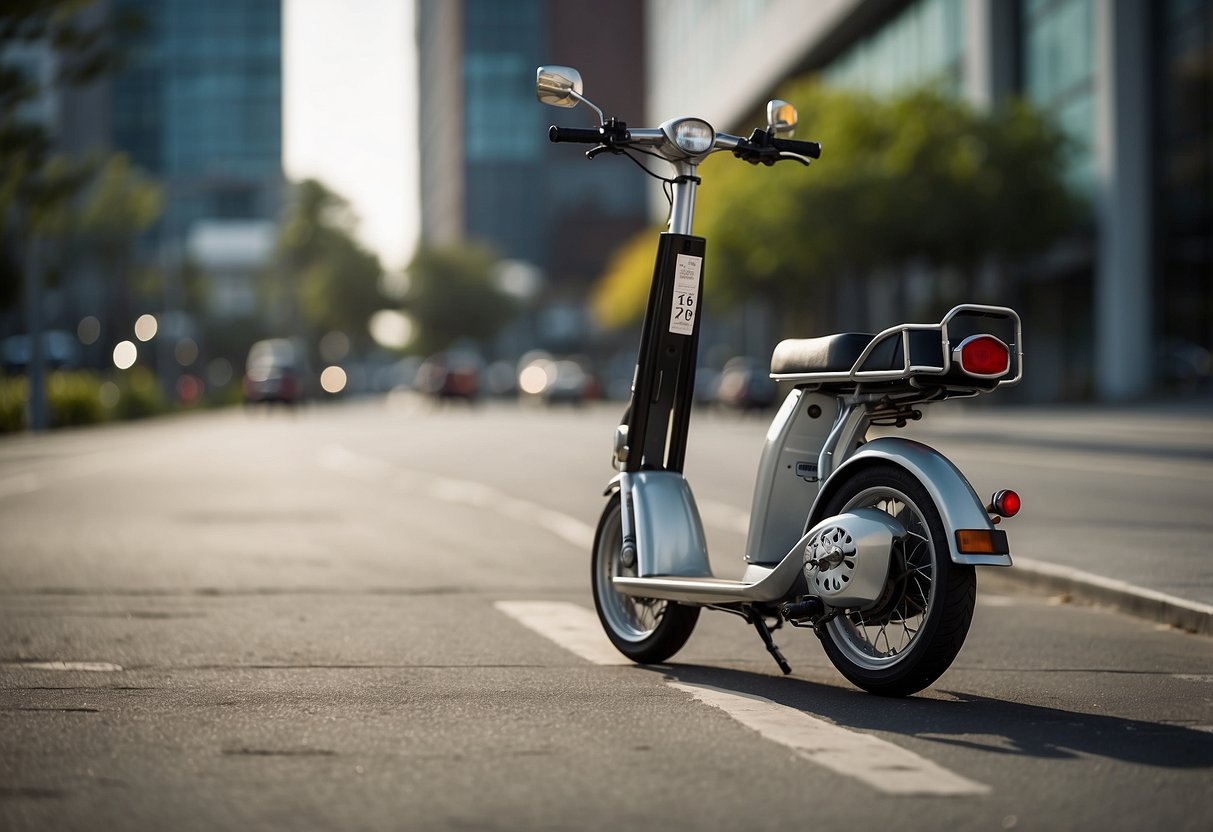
<point x="693" y="136"/>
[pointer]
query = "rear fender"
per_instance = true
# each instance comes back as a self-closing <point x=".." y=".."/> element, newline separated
<point x="958" y="503"/>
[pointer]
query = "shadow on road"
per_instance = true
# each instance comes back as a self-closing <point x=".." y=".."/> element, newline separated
<point x="971" y="721"/>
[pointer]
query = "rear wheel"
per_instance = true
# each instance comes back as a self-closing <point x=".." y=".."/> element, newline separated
<point x="917" y="627"/>
<point x="646" y="630"/>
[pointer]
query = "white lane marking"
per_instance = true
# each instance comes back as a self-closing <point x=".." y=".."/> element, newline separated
<point x="60" y="469"/>
<point x="345" y="461"/>
<point x="479" y="495"/>
<point x="88" y="667"/>
<point x="572" y="627"/>
<point x="882" y="765"/>
<point x="20" y="484"/>
<point x="465" y="492"/>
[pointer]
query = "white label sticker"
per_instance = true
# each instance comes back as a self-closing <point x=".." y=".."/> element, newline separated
<point x="686" y="294"/>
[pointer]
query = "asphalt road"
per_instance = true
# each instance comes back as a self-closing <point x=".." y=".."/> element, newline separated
<point x="378" y="617"/>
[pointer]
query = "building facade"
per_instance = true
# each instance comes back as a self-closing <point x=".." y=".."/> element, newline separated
<point x="487" y="171"/>
<point x="1118" y="309"/>
<point x="199" y="106"/>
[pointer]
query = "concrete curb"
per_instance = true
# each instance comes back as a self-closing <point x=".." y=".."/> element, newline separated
<point x="1192" y="616"/>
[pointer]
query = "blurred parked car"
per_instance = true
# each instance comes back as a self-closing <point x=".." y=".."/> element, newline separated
<point x="277" y="370"/>
<point x="551" y="381"/>
<point x="745" y="384"/>
<point x="450" y="375"/>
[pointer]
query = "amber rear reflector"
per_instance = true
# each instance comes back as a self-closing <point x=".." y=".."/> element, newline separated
<point x="982" y="542"/>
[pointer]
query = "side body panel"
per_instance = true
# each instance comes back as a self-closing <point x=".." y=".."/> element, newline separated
<point x="787" y="483"/>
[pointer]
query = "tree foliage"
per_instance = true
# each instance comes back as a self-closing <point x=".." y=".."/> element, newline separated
<point x="453" y="296"/>
<point x="321" y="273"/>
<point x="32" y="178"/>
<point x="623" y="289"/>
<point x="921" y="176"/>
<point x="39" y="188"/>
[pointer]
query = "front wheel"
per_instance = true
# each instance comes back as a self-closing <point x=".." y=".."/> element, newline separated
<point x="646" y="630"/>
<point x="916" y="628"/>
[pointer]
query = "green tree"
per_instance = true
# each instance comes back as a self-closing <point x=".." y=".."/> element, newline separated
<point x="36" y="184"/>
<point x="921" y="176"/>
<point x="119" y="204"/>
<point x="37" y="187"/>
<point x="322" y="276"/>
<point x="452" y="296"/>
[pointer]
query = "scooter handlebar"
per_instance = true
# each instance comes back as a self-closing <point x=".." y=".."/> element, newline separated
<point x="810" y="149"/>
<point x="576" y="135"/>
<point x="767" y="150"/>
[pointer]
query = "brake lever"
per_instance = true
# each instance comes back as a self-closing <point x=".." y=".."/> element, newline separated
<point x="804" y="160"/>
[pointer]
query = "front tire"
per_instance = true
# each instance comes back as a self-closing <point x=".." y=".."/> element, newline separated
<point x="916" y="629"/>
<point x="646" y="630"/>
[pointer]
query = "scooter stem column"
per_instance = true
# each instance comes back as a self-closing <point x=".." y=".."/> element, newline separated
<point x="682" y="209"/>
<point x="662" y="396"/>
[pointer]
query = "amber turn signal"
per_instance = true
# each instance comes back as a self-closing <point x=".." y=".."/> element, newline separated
<point x="982" y="542"/>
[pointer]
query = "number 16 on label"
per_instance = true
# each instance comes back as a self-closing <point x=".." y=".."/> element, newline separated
<point x="685" y="307"/>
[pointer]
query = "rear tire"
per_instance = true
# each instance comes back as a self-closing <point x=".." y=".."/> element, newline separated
<point x="917" y="628"/>
<point x="646" y="630"/>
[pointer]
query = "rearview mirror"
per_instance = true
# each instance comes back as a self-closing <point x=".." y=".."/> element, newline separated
<point x="781" y="118"/>
<point x="559" y="86"/>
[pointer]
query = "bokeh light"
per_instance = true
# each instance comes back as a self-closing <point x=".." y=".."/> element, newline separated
<point x="219" y="372"/>
<point x="334" y="346"/>
<point x="189" y="389"/>
<point x="109" y="394"/>
<point x="535" y="377"/>
<point x="146" y="327"/>
<point x="89" y="330"/>
<point x="125" y="355"/>
<point x="391" y="329"/>
<point x="333" y="379"/>
<point x="186" y="352"/>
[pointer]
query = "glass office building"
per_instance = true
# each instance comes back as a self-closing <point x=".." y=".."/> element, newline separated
<point x="503" y="134"/>
<point x="488" y="172"/>
<point x="1126" y="303"/>
<point x="199" y="106"/>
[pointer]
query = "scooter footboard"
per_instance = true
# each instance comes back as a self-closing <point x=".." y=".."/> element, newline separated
<point x="958" y="504"/>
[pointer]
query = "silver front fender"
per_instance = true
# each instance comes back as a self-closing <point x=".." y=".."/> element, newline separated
<point x="958" y="503"/>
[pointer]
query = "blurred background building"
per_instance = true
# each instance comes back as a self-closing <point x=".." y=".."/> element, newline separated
<point x="486" y="171"/>
<point x="199" y="106"/>
<point x="1120" y="306"/>
<point x="195" y="106"/>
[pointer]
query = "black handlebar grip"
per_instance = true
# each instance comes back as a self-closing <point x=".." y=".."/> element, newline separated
<point x="810" y="149"/>
<point x="578" y="135"/>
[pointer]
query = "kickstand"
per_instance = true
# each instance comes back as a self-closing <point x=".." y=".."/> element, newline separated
<point x="764" y="633"/>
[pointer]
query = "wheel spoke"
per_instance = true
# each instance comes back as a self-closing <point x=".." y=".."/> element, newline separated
<point x="884" y="638"/>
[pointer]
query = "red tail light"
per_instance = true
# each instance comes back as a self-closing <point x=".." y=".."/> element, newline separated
<point x="983" y="355"/>
<point x="1005" y="503"/>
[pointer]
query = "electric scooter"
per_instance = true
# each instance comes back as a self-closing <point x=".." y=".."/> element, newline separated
<point x="870" y="542"/>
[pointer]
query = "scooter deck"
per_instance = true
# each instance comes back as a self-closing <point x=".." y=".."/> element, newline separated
<point x="772" y="586"/>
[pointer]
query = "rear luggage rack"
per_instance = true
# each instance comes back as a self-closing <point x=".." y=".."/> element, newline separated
<point x="912" y="350"/>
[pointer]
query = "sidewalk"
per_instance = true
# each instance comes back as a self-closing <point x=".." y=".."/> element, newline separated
<point x="1165" y="445"/>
